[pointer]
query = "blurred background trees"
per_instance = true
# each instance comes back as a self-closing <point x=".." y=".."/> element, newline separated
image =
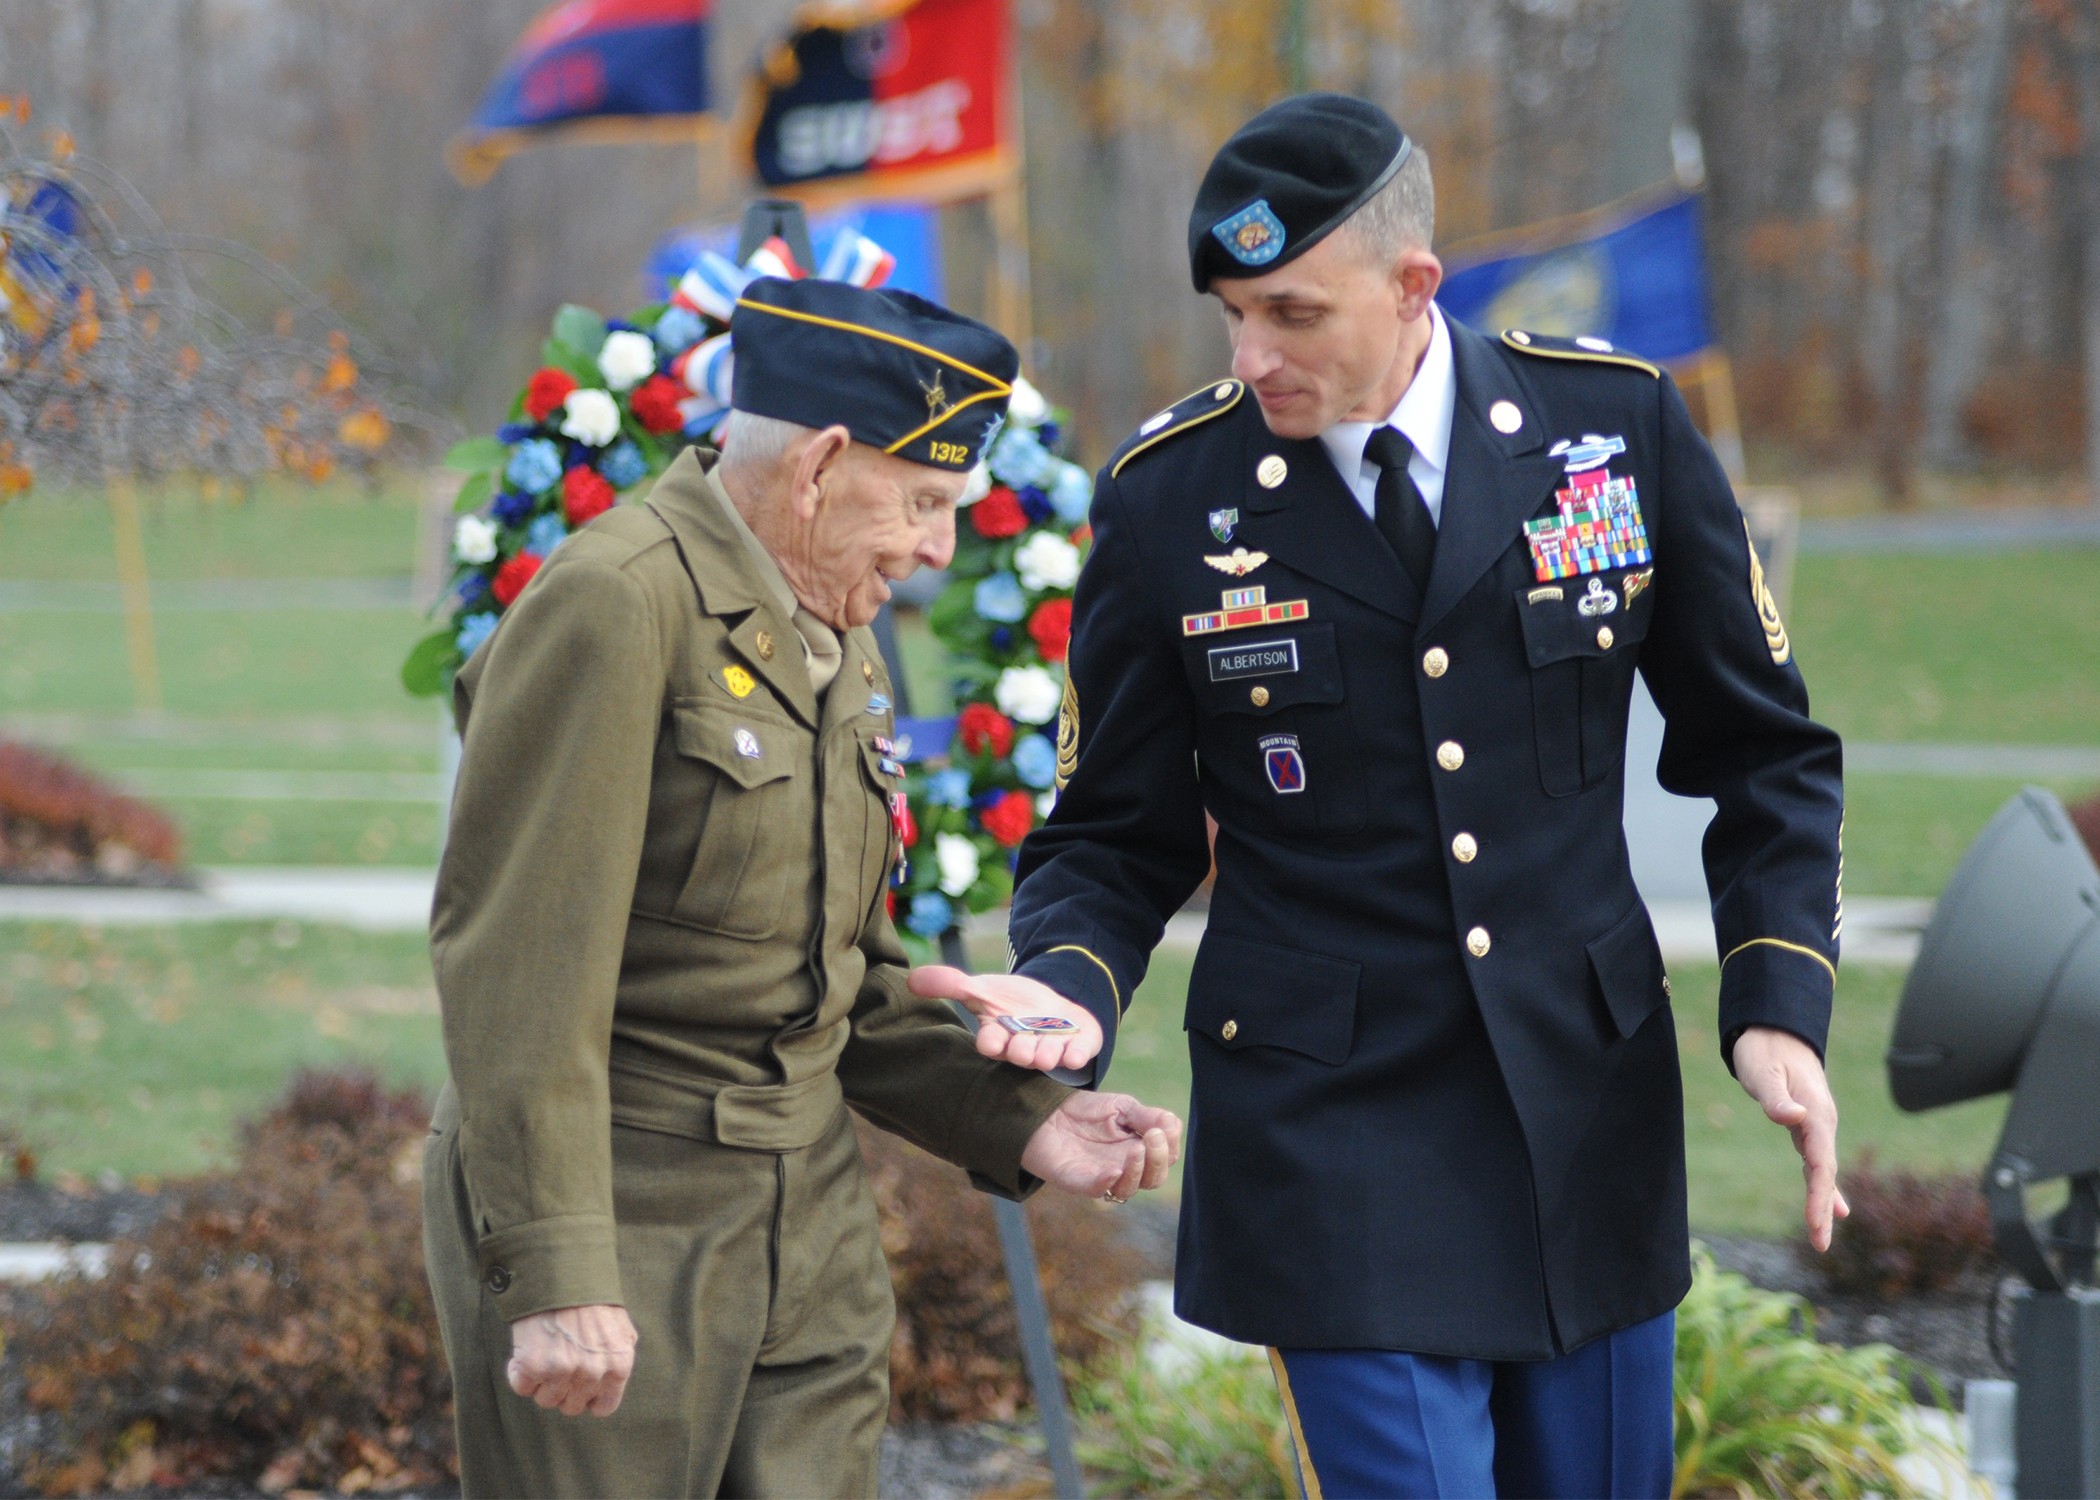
<point x="1901" y="195"/>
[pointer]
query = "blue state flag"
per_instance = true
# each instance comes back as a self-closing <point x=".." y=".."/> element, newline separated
<point x="910" y="232"/>
<point x="608" y="70"/>
<point x="1632" y="272"/>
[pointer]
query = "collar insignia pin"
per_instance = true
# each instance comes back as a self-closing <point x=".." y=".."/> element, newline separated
<point x="1506" y="417"/>
<point x="1272" y="471"/>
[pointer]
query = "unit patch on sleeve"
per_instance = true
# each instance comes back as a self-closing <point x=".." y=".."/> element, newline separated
<point x="1256" y="659"/>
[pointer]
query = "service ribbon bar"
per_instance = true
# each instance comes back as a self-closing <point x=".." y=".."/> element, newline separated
<point x="1241" y="608"/>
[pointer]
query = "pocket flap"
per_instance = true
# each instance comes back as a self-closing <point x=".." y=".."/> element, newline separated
<point x="1629" y="966"/>
<point x="1246" y="994"/>
<point x="1289" y="664"/>
<point x="1557" y="626"/>
<point x="749" y="750"/>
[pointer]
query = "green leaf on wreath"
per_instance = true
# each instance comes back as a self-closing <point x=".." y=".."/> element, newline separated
<point x="954" y="608"/>
<point x="581" y="330"/>
<point x="994" y="887"/>
<point x="470" y="454"/>
<point x="582" y="368"/>
<point x="473" y="493"/>
<point x="431" y="662"/>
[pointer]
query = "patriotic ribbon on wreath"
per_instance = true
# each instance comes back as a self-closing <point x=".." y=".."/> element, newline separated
<point x="711" y="286"/>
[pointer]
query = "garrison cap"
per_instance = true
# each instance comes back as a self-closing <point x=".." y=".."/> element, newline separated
<point x="898" y="372"/>
<point x="1285" y="179"/>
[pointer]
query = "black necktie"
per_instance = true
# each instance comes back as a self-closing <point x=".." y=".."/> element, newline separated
<point x="1399" y="512"/>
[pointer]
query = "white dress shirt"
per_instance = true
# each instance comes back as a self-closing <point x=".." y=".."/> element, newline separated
<point x="1424" y="419"/>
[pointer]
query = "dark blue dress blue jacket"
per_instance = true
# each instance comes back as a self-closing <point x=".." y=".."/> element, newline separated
<point x="1436" y="1101"/>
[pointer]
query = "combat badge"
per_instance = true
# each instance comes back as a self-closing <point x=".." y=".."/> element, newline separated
<point x="1282" y="763"/>
<point x="1222" y="522"/>
<point x="1636" y="584"/>
<point x="1598" y="601"/>
<point x="878" y="703"/>
<point x="1239" y="563"/>
<point x="1243" y="607"/>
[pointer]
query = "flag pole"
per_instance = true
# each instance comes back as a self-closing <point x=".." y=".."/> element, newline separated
<point x="1717" y="389"/>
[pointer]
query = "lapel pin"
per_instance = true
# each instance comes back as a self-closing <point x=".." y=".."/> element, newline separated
<point x="765" y="645"/>
<point x="1271" y="471"/>
<point x="867" y="671"/>
<point x="1506" y="417"/>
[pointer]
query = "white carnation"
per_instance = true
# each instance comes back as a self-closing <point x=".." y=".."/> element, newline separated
<point x="1045" y="805"/>
<point x="591" y="417"/>
<point x="1028" y="694"/>
<point x="474" y="540"/>
<point x="1047" y="561"/>
<point x="977" y="486"/>
<point x="956" y="858"/>
<point x="1026" y="406"/>
<point x="627" y="359"/>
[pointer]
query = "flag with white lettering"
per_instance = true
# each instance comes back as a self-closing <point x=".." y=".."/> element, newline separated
<point x="603" y="70"/>
<point x="909" y="102"/>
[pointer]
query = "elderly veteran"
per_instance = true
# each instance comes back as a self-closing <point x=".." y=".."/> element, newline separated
<point x="1377" y="604"/>
<point x="663" y="956"/>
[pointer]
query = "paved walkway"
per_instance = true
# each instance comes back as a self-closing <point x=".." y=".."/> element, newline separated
<point x="2014" y="529"/>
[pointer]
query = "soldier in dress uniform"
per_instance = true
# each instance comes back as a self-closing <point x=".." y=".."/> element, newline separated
<point x="1376" y="603"/>
<point x="663" y="956"/>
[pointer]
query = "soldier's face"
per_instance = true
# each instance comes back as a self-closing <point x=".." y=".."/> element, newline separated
<point x="878" y="519"/>
<point x="1333" y="336"/>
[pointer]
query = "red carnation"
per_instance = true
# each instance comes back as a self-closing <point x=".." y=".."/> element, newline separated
<point x="655" y="404"/>
<point x="1009" y="819"/>
<point x="1051" y="628"/>
<point x="1082" y="537"/>
<point x="999" y="514"/>
<point x="546" y="391"/>
<point x="512" y="577"/>
<point x="889" y="903"/>
<point x="907" y="827"/>
<point x="585" y="495"/>
<point x="980" y="724"/>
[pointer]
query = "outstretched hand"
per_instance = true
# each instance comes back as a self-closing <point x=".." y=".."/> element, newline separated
<point x="1784" y="1075"/>
<point x="990" y="996"/>
<point x="1104" y="1146"/>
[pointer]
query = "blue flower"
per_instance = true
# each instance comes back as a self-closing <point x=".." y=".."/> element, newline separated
<point x="678" y="330"/>
<point x="1018" y="459"/>
<point x="999" y="597"/>
<point x="544" y="535"/>
<point x="948" y="788"/>
<point x="473" y="630"/>
<point x="1048" y="432"/>
<point x="1034" y="504"/>
<point x="620" y="325"/>
<point x="1035" y="761"/>
<point x="931" y="914"/>
<point x="990" y="797"/>
<point x="1002" y="638"/>
<point x="471" y="588"/>
<point x="623" y="465"/>
<point x="511" y="508"/>
<point x="534" y="465"/>
<point x="1072" y="494"/>
<point x="516" y="432"/>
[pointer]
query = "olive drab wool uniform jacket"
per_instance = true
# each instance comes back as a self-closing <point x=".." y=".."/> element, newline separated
<point x="661" y="904"/>
<point x="1435" y="1100"/>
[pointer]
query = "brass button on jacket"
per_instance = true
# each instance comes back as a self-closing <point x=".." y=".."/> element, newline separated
<point x="1259" y="697"/>
<point x="1604" y="638"/>
<point x="1464" y="848"/>
<point x="497" y="1280"/>
<point x="1229" y="1030"/>
<point x="1436" y="661"/>
<point x="1451" y="755"/>
<point x="1478" y="942"/>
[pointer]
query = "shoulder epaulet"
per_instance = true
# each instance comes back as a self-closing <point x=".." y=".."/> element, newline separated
<point x="1214" y="400"/>
<point x="1596" y="351"/>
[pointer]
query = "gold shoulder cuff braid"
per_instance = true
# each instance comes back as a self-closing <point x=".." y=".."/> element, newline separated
<point x="1545" y="346"/>
<point x="1790" y="947"/>
<point x="1114" y="989"/>
<point x="1214" y="400"/>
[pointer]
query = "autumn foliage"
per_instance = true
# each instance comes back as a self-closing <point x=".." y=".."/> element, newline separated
<point x="59" y="823"/>
<point x="1908" y="1234"/>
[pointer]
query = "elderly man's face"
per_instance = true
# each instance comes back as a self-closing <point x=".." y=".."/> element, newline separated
<point x="1318" y="340"/>
<point x="875" y="518"/>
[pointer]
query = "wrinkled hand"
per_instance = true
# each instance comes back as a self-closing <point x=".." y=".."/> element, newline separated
<point x="1782" y="1073"/>
<point x="1108" y="1144"/>
<point x="573" y="1359"/>
<point x="989" y="996"/>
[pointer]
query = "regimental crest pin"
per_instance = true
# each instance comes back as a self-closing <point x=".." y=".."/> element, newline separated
<point x="1282" y="763"/>
<point x="1239" y="562"/>
<point x="1222" y="522"/>
<point x="1597" y="600"/>
<point x="738" y="681"/>
<point x="746" y="744"/>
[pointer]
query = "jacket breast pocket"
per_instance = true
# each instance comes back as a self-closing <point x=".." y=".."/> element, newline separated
<point x="752" y="810"/>
<point x="1245" y="994"/>
<point x="1581" y="644"/>
<point x="1275" y="738"/>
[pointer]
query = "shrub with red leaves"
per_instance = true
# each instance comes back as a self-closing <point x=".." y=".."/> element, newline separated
<point x="1907" y="1233"/>
<point x="956" y="1356"/>
<point x="2085" y="817"/>
<point x="274" y="1330"/>
<point x="59" y="823"/>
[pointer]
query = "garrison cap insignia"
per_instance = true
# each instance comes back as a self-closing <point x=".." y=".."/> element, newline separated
<point x="1222" y="522"/>
<point x="1239" y="562"/>
<point x="1592" y="350"/>
<point x="1776" y="643"/>
<point x="1254" y="236"/>
<point x="1189" y="411"/>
